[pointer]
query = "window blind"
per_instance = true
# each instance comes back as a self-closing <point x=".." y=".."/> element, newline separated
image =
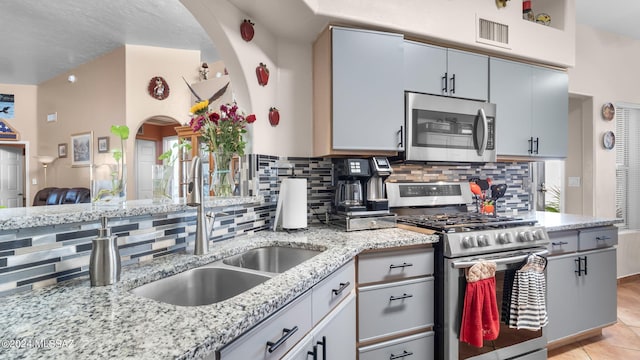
<point x="627" y="149"/>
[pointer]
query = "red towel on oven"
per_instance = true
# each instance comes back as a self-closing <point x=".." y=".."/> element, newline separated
<point x="480" y="316"/>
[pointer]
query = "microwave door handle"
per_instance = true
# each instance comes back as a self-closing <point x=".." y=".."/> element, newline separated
<point x="485" y="137"/>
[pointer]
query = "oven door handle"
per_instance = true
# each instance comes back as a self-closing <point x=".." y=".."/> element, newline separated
<point x="499" y="261"/>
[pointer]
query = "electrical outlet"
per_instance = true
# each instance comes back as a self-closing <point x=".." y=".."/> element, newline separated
<point x="34" y="181"/>
<point x="574" y="181"/>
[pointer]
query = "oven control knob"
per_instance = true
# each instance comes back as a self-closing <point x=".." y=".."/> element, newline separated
<point x="505" y="238"/>
<point x="468" y="242"/>
<point x="525" y="236"/>
<point x="483" y="240"/>
<point x="538" y="235"/>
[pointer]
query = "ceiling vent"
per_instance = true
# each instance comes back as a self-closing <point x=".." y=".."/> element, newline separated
<point x="492" y="33"/>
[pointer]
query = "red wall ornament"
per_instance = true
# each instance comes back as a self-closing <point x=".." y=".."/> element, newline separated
<point x="263" y="74"/>
<point x="158" y="88"/>
<point x="274" y="116"/>
<point x="246" y="30"/>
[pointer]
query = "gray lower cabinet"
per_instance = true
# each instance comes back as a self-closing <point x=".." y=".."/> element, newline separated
<point x="272" y="338"/>
<point x="581" y="292"/>
<point x="326" y="313"/>
<point x="532" y="107"/>
<point x="391" y="309"/>
<point x="413" y="347"/>
<point x="395" y="304"/>
<point x="333" y="338"/>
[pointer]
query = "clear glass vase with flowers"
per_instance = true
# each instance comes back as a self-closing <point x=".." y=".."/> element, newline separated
<point x="222" y="132"/>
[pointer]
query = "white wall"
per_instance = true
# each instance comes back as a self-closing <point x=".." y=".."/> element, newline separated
<point x="606" y="70"/>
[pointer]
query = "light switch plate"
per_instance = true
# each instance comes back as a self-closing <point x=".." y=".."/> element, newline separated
<point x="574" y="181"/>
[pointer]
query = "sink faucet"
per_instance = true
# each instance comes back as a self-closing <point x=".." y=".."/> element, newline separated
<point x="195" y="197"/>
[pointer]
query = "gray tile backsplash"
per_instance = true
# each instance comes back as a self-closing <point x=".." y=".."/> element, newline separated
<point x="42" y="256"/>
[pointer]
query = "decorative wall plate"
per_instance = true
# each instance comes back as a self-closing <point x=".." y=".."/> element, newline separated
<point x="608" y="111"/>
<point x="608" y="140"/>
<point x="158" y="88"/>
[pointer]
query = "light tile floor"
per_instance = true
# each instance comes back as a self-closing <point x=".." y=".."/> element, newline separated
<point x="618" y="342"/>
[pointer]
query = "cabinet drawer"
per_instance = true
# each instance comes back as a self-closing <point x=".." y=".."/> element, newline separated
<point x="562" y="242"/>
<point x="394" y="265"/>
<point x="253" y="344"/>
<point x="597" y="237"/>
<point x="414" y="347"/>
<point x="331" y="290"/>
<point x="390" y="309"/>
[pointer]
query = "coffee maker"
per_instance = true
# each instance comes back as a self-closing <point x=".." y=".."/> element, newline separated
<point x="351" y="177"/>
<point x="376" y="190"/>
<point x="360" y="199"/>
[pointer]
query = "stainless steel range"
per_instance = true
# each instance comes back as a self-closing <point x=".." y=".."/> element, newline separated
<point x="466" y="238"/>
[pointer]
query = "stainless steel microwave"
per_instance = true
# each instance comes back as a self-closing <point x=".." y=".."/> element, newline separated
<point x="449" y="129"/>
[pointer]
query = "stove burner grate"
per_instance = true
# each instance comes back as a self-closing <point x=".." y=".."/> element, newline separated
<point x="462" y="222"/>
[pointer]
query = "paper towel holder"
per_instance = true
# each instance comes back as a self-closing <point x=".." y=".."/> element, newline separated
<point x="297" y="221"/>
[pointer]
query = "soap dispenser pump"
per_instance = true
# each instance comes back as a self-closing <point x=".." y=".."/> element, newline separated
<point x="104" y="264"/>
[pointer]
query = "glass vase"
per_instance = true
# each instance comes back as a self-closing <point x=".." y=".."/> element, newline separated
<point x="109" y="181"/>
<point x="161" y="183"/>
<point x="222" y="179"/>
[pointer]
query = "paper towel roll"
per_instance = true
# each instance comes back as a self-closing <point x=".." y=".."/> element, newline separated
<point x="293" y="203"/>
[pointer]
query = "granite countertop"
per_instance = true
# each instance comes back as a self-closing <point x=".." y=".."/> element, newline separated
<point x="560" y="221"/>
<point x="26" y="217"/>
<point x="74" y="320"/>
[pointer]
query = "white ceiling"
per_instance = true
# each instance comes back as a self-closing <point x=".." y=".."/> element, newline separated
<point x="43" y="38"/>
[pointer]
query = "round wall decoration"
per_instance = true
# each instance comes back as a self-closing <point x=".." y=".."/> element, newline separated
<point x="608" y="140"/>
<point x="608" y="111"/>
<point x="158" y="88"/>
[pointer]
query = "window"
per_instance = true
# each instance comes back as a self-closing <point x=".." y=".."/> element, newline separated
<point x="627" y="148"/>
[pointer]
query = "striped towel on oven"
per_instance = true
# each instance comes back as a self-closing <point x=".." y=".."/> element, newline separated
<point x="528" y="309"/>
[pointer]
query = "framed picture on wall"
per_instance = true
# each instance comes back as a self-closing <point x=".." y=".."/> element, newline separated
<point x="103" y="144"/>
<point x="81" y="149"/>
<point x="62" y="150"/>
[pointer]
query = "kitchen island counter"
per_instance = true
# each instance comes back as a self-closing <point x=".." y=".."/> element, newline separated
<point x="75" y="320"/>
<point x="35" y="216"/>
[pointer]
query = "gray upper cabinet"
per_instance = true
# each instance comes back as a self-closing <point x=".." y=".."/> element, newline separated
<point x="532" y="105"/>
<point x="361" y="108"/>
<point x="436" y="70"/>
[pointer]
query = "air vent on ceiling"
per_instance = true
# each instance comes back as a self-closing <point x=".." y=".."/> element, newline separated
<point x="492" y="33"/>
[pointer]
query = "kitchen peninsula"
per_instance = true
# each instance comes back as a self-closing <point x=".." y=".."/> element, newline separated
<point x="98" y="322"/>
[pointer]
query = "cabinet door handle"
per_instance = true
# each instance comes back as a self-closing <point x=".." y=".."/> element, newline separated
<point x="405" y="353"/>
<point x="339" y="290"/>
<point x="323" y="343"/>
<point x="453" y="84"/>
<point x="559" y="243"/>
<point x="579" y="262"/>
<point x="401" y="133"/>
<point x="313" y="353"/>
<point x="401" y="297"/>
<point x="404" y="265"/>
<point x="537" y="143"/>
<point x="603" y="238"/>
<point x="585" y="265"/>
<point x="286" y="334"/>
<point x="530" y="145"/>
<point x="445" y="79"/>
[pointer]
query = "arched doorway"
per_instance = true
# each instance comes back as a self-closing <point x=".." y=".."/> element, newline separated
<point x="154" y="136"/>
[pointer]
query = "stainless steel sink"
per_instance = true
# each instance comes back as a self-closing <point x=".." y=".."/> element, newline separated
<point x="273" y="259"/>
<point x="200" y="286"/>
